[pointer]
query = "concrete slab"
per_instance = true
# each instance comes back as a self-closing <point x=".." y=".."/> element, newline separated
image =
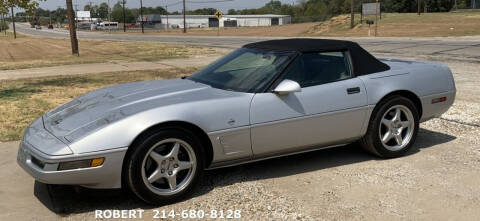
<point x="19" y="193"/>
<point x="105" y="67"/>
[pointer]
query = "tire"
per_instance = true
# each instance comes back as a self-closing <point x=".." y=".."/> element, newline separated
<point x="165" y="166"/>
<point x="398" y="133"/>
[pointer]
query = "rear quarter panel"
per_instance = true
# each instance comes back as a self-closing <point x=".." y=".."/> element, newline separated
<point x="426" y="80"/>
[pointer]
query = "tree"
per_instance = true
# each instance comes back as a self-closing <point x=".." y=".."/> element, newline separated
<point x="232" y="12"/>
<point x="117" y="14"/>
<point x="102" y="10"/>
<point x="28" y="5"/>
<point x="202" y="11"/>
<point x="92" y="9"/>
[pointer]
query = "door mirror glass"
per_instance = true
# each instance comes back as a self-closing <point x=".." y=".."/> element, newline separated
<point x="287" y="86"/>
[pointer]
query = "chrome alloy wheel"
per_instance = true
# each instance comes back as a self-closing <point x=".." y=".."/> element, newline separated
<point x="397" y="127"/>
<point x="169" y="166"/>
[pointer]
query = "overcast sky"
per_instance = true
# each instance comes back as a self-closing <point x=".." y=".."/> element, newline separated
<point x="224" y="6"/>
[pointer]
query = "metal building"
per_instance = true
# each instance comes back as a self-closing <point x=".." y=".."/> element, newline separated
<point x="203" y="21"/>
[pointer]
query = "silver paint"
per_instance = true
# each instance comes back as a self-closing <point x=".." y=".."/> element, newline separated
<point x="242" y="127"/>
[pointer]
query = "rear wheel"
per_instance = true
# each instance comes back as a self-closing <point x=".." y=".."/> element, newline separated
<point x="393" y="128"/>
<point x="166" y="166"/>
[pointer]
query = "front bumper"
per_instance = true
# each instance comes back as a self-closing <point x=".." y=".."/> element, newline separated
<point x="43" y="167"/>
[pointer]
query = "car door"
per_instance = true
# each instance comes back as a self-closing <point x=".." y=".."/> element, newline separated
<point x="330" y="109"/>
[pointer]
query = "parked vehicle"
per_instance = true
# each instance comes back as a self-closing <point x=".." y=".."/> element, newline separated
<point x="105" y="25"/>
<point x="264" y="100"/>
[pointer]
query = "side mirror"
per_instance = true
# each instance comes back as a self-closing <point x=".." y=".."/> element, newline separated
<point x="286" y="87"/>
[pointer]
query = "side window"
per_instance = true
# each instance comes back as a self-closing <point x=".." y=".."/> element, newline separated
<point x="319" y="68"/>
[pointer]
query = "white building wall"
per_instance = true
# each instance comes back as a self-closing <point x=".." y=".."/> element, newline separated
<point x="241" y="21"/>
<point x="191" y="22"/>
<point x="253" y="22"/>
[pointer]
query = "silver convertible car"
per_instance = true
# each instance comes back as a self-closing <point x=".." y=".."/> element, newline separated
<point x="264" y="100"/>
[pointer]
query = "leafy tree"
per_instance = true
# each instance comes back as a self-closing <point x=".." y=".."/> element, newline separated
<point x="28" y="5"/>
<point x="202" y="11"/>
<point x="92" y="9"/>
<point x="102" y="10"/>
<point x="117" y="14"/>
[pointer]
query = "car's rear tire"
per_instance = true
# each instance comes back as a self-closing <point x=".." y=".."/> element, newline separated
<point x="165" y="166"/>
<point x="393" y="127"/>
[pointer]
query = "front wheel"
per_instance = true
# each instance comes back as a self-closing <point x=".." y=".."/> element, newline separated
<point x="165" y="167"/>
<point x="393" y="128"/>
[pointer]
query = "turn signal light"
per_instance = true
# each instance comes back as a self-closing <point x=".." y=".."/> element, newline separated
<point x="438" y="100"/>
<point x="97" y="162"/>
<point x="78" y="164"/>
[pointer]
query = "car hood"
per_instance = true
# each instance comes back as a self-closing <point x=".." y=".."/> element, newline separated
<point x="97" y="109"/>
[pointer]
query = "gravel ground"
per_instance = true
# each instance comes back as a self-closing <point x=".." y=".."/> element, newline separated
<point x="437" y="180"/>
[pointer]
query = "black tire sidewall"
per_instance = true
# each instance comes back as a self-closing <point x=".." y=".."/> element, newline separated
<point x="374" y="136"/>
<point x="135" y="160"/>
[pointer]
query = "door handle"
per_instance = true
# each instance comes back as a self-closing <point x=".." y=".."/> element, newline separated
<point x="353" y="90"/>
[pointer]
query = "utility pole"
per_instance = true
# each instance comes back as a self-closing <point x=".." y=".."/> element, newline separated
<point x="13" y="25"/>
<point x="419" y="6"/>
<point x="73" y="27"/>
<point x="166" y="12"/>
<point x="352" y="14"/>
<point x="184" y="18"/>
<point x="124" y="19"/>
<point x="141" y="13"/>
<point x="109" y="16"/>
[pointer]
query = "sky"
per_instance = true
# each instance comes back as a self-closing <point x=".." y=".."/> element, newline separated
<point x="223" y="6"/>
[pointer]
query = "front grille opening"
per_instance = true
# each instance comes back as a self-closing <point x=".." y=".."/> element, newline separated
<point x="37" y="162"/>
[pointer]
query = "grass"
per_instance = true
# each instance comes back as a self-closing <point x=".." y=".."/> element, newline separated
<point x="23" y="101"/>
<point x="403" y="25"/>
<point x="28" y="52"/>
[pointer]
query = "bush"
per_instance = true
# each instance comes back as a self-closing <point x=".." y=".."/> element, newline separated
<point x="302" y="19"/>
<point x="3" y="26"/>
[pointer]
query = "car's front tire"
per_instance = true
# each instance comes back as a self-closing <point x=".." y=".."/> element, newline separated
<point x="393" y="127"/>
<point x="165" y="166"/>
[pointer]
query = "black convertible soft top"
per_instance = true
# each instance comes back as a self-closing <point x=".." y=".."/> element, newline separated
<point x="362" y="61"/>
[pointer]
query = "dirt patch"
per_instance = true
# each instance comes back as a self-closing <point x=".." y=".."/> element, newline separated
<point x="403" y="25"/>
<point x="27" y="52"/>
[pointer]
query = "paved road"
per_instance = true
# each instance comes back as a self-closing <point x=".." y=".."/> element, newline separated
<point x="456" y="48"/>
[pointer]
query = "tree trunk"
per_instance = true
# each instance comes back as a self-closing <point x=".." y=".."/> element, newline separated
<point x="72" y="28"/>
<point x="4" y="23"/>
<point x="13" y="25"/>
<point x="352" y="16"/>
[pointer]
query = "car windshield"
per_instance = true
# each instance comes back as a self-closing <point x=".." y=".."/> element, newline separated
<point x="244" y="70"/>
